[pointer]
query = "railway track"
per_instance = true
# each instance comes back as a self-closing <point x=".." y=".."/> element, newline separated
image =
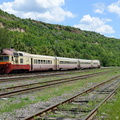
<point x="95" y="110"/>
<point x="40" y="85"/>
<point x="78" y="107"/>
<point x="19" y="77"/>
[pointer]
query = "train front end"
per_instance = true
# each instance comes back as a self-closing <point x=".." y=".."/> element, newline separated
<point x="5" y="61"/>
<point x="4" y="64"/>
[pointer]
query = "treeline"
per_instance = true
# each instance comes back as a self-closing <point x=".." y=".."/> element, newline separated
<point x="57" y="40"/>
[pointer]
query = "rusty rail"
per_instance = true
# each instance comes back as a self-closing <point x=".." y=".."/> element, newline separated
<point x="39" y="114"/>
<point x="7" y="94"/>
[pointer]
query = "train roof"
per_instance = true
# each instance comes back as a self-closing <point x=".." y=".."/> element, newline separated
<point x="7" y="51"/>
<point x="84" y="60"/>
<point x="63" y="58"/>
<point x="96" y="60"/>
<point x="34" y="55"/>
<point x="43" y="56"/>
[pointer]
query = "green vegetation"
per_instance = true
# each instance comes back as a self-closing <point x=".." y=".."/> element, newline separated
<point x="9" y="106"/>
<point x="48" y="39"/>
<point x="12" y="104"/>
<point x="110" y="111"/>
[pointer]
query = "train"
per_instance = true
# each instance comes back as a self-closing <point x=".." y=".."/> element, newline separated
<point x="12" y="61"/>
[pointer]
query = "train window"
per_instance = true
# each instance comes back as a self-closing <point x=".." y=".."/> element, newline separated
<point x="21" y="60"/>
<point x="6" y="58"/>
<point x="15" y="54"/>
<point x="43" y="61"/>
<point x="34" y="61"/>
<point x="1" y="58"/>
<point x="48" y="61"/>
<point x="38" y="61"/>
<point x="20" y="54"/>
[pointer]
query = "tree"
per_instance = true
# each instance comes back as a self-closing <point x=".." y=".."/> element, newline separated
<point x="5" y="40"/>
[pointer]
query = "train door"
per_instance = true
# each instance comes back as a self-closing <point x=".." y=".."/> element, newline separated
<point x="78" y="62"/>
<point x="31" y="64"/>
<point x="15" y="58"/>
<point x="56" y="63"/>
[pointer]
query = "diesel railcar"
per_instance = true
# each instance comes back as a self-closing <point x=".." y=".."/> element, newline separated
<point x="11" y="60"/>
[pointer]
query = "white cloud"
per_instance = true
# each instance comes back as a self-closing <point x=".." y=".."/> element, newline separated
<point x="95" y="24"/>
<point x="98" y="11"/>
<point x="99" y="8"/>
<point x="115" y="8"/>
<point x="45" y="10"/>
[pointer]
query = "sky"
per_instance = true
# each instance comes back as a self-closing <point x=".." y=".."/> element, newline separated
<point x="101" y="16"/>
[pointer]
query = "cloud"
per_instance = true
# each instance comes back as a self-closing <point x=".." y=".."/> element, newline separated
<point x="99" y="8"/>
<point x="95" y="24"/>
<point x="115" y="8"/>
<point x="98" y="11"/>
<point x="45" y="10"/>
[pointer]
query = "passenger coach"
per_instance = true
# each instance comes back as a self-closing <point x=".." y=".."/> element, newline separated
<point x="67" y="63"/>
<point x="11" y="60"/>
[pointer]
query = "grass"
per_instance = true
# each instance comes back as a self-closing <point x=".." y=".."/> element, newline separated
<point x="12" y="104"/>
<point x="56" y="77"/>
<point x="40" y="96"/>
<point x="110" y="110"/>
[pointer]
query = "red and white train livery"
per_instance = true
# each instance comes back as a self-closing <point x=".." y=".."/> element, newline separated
<point x="11" y="60"/>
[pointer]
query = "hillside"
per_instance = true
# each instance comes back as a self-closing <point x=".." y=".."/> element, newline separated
<point x="48" y="39"/>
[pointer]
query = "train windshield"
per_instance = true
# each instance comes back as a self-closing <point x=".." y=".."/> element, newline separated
<point x="4" y="58"/>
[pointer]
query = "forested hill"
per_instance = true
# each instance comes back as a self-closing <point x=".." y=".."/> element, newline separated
<point x="57" y="40"/>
